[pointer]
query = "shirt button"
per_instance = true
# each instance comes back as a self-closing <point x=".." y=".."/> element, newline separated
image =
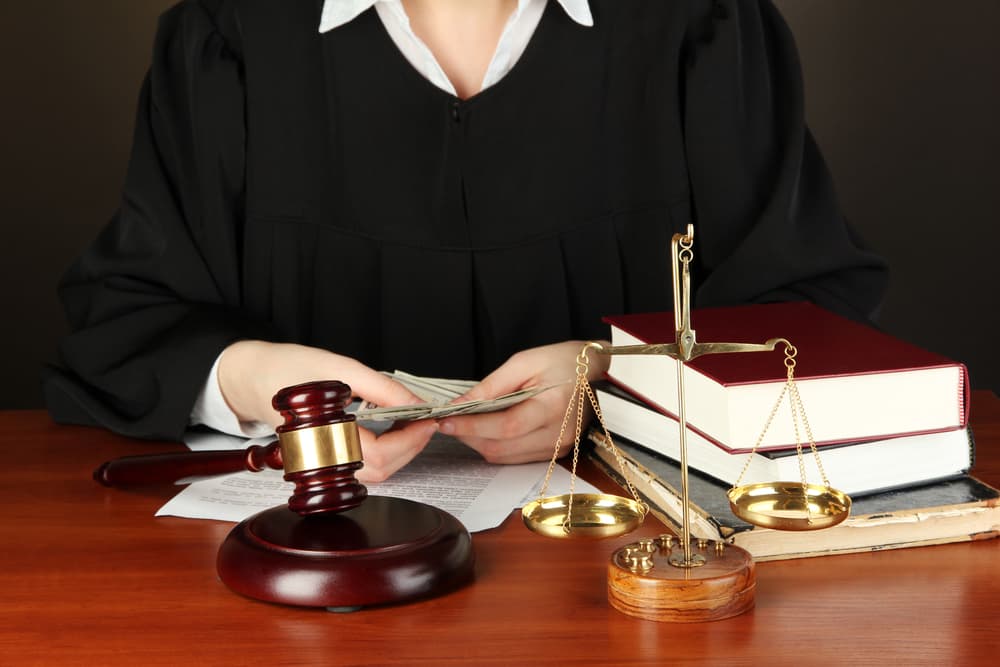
<point x="455" y="115"/>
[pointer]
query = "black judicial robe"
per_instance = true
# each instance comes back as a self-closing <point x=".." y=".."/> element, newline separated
<point x="295" y="186"/>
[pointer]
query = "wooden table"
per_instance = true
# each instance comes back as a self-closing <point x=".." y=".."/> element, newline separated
<point x="89" y="576"/>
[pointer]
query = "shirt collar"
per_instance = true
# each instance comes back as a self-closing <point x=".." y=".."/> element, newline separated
<point x="338" y="12"/>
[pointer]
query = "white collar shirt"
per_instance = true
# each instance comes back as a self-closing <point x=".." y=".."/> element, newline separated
<point x="513" y="40"/>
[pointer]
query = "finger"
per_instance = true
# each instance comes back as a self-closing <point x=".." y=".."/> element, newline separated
<point x="514" y="374"/>
<point x="514" y="422"/>
<point x="393" y="449"/>
<point x="378" y="387"/>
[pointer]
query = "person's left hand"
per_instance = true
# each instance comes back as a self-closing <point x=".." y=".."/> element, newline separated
<point x="526" y="431"/>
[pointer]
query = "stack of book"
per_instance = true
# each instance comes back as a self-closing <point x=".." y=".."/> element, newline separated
<point x="890" y="421"/>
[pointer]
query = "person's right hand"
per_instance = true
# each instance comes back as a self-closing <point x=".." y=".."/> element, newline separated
<point x="251" y="372"/>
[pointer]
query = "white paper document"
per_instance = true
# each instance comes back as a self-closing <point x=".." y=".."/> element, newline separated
<point x="447" y="475"/>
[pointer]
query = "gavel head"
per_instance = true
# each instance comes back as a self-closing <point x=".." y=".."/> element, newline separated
<point x="320" y="447"/>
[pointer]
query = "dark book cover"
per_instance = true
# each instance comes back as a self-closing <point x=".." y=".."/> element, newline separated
<point x="709" y="495"/>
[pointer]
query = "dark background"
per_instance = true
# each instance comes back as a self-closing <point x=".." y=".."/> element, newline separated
<point x="902" y="96"/>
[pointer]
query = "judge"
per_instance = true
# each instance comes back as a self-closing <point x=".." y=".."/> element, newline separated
<point x="326" y="189"/>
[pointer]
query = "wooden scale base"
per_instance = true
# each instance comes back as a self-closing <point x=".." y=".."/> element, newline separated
<point x="643" y="582"/>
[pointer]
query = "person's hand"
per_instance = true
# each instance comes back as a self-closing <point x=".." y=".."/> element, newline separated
<point x="526" y="431"/>
<point x="251" y="372"/>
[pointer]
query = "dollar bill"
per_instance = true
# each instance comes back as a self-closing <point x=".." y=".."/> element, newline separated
<point x="439" y="394"/>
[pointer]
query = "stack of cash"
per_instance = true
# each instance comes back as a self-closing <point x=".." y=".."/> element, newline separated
<point x="438" y="394"/>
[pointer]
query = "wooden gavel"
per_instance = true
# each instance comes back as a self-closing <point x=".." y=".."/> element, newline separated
<point x="333" y="545"/>
<point x="317" y="447"/>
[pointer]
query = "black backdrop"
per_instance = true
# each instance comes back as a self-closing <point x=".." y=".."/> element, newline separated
<point x="902" y="96"/>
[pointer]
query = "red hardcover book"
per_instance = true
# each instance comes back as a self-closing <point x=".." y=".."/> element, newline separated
<point x="856" y="383"/>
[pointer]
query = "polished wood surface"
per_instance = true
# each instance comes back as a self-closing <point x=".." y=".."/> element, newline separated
<point x="89" y="577"/>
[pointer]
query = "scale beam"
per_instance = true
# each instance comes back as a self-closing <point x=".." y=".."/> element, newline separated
<point x="697" y="350"/>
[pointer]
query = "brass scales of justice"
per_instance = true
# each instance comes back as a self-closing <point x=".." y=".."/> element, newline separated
<point x="676" y="578"/>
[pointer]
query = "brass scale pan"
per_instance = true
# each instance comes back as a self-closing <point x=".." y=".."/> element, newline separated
<point x="777" y="505"/>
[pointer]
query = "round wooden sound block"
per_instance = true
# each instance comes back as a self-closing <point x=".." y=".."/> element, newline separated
<point x="643" y="581"/>
<point x="383" y="551"/>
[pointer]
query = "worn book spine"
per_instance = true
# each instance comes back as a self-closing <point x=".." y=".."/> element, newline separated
<point x="661" y="499"/>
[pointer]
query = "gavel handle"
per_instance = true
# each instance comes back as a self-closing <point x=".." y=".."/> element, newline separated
<point x="170" y="468"/>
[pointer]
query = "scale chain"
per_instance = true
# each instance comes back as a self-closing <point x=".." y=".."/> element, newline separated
<point x="582" y="390"/>
<point x="582" y="367"/>
<point x="760" y="438"/>
<point x="798" y="412"/>
<point x="794" y="396"/>
<point x="614" y="450"/>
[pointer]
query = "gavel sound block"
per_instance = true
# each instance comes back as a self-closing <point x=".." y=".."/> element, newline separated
<point x="333" y="545"/>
